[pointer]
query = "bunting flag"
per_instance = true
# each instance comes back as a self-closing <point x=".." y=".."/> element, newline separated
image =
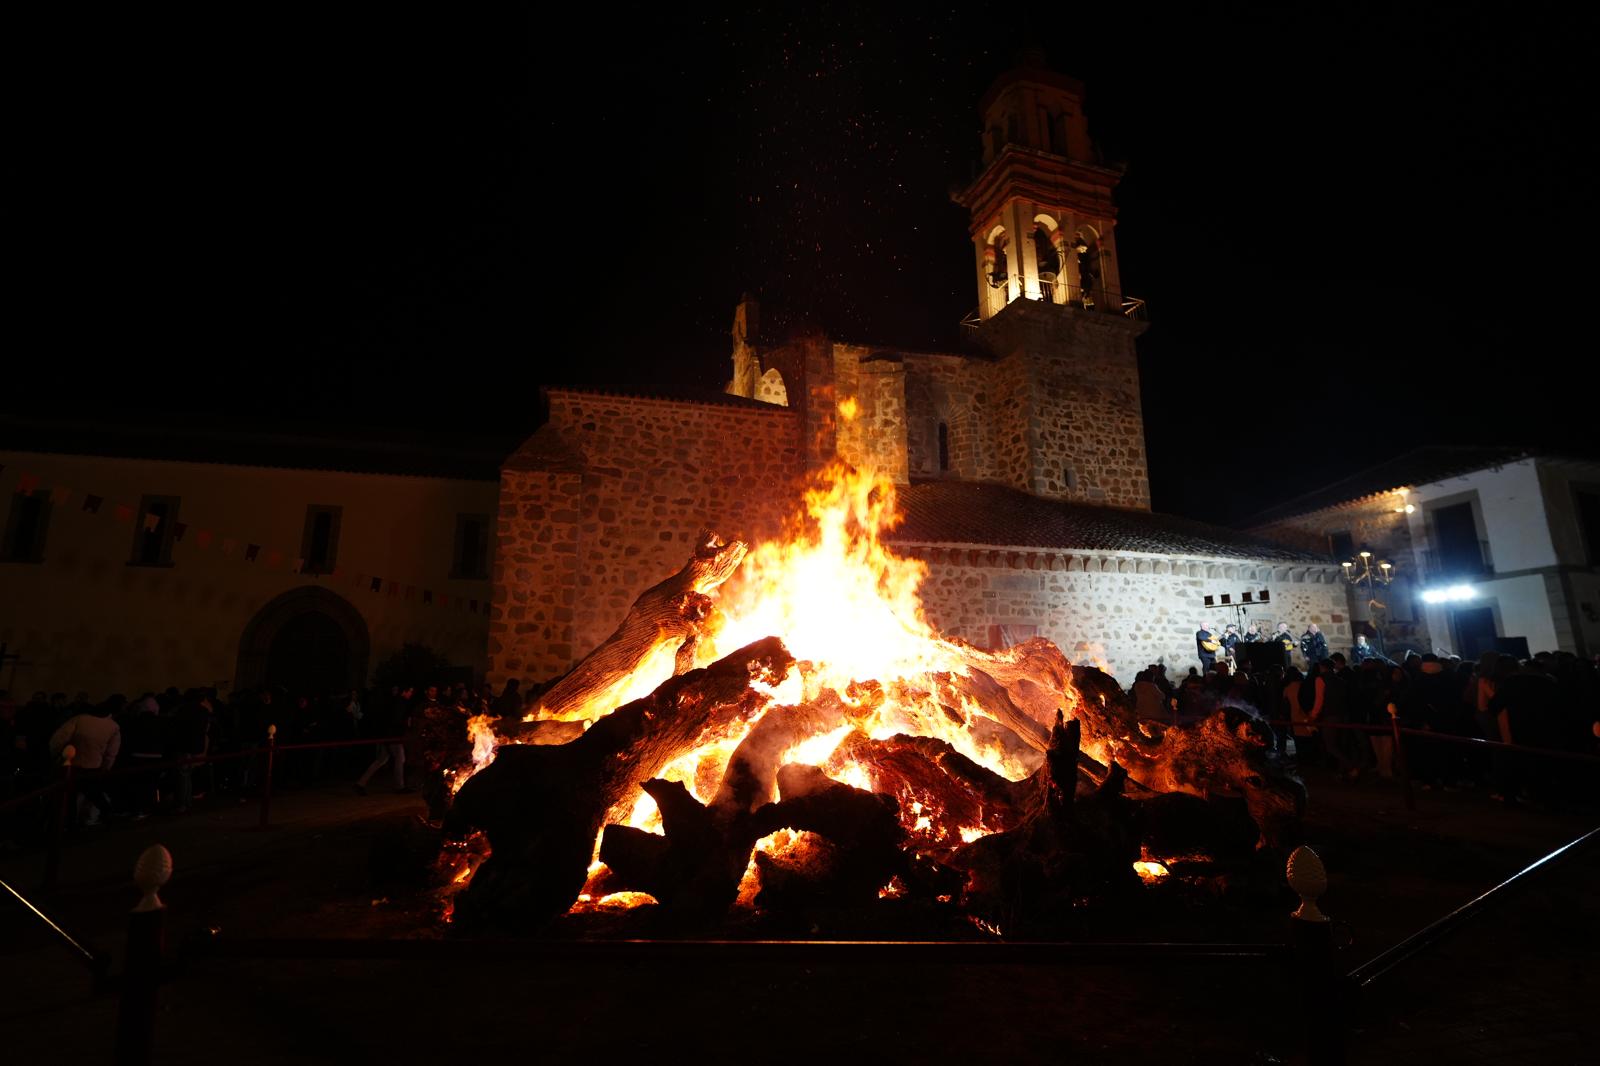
<point x="377" y="584"/>
<point x="59" y="495"/>
<point x="394" y="588"/>
<point x="26" y="483"/>
<point x="251" y="551"/>
<point x="274" y="557"/>
<point x="91" y="503"/>
<point x="178" y="530"/>
<point x="410" y="590"/>
<point x="299" y="565"/>
<point x="444" y="599"/>
<point x="151" y="521"/>
<point x="228" y="544"/>
<point x="202" y="538"/>
<point x="123" y="513"/>
<point x="427" y="597"/>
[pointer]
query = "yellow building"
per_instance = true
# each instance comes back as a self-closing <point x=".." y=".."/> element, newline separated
<point x="137" y="557"/>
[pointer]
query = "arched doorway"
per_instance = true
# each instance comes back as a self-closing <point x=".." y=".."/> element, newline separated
<point x="307" y="640"/>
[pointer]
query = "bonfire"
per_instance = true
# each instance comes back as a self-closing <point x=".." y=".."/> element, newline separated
<point x="781" y="727"/>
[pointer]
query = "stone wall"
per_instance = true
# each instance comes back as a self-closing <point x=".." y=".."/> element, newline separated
<point x="532" y="631"/>
<point x="1072" y="402"/>
<point x="1118" y="610"/>
<point x="621" y="486"/>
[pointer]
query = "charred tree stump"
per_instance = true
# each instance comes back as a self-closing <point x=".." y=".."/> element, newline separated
<point x="541" y="807"/>
<point x="667" y="614"/>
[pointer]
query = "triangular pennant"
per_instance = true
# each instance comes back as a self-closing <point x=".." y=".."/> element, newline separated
<point x="444" y="599"/>
<point x="59" y="494"/>
<point x="299" y="565"/>
<point x="377" y="584"/>
<point x="202" y="537"/>
<point x="274" y="557"/>
<point x="151" y="521"/>
<point x="179" y="529"/>
<point x="427" y="597"/>
<point x="26" y="483"/>
<point x="410" y="590"/>
<point x="228" y="544"/>
<point x="393" y="588"/>
<point x="91" y="503"/>
<point x="123" y="513"/>
<point x="251" y="551"/>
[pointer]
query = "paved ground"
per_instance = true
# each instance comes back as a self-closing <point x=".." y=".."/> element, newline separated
<point x="1512" y="988"/>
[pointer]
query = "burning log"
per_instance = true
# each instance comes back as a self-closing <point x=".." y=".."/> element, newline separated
<point x="542" y="807"/>
<point x="667" y="616"/>
<point x="1226" y="753"/>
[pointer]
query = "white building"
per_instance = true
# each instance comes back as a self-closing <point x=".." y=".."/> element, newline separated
<point x="1489" y="549"/>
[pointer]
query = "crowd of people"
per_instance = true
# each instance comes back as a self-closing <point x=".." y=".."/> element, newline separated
<point x="188" y="739"/>
<point x="1550" y="701"/>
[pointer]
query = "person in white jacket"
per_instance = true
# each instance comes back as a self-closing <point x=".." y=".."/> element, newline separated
<point x="95" y="738"/>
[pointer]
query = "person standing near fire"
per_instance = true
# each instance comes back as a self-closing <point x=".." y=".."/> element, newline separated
<point x="1207" y="644"/>
<point x="1285" y="640"/>
<point x="439" y="743"/>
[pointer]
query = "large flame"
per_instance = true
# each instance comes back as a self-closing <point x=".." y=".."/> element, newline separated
<point x="848" y="608"/>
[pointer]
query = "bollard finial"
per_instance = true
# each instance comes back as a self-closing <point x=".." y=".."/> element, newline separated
<point x="272" y="731"/>
<point x="152" y="871"/>
<point x="68" y="753"/>
<point x="1309" y="880"/>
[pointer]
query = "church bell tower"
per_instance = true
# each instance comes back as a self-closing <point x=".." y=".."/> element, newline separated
<point x="1051" y="308"/>
<point x="1042" y="217"/>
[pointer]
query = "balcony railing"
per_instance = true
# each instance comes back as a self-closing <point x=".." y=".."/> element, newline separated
<point x="1100" y="301"/>
<point x="1458" y="562"/>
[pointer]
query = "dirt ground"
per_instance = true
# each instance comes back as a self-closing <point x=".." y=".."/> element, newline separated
<point x="1513" y="987"/>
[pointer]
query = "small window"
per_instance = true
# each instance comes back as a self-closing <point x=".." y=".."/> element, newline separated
<point x="1342" y="545"/>
<point x="944" y="447"/>
<point x="152" y="531"/>
<point x="319" y="544"/>
<point x="25" y="527"/>
<point x="1589" y="522"/>
<point x="472" y="547"/>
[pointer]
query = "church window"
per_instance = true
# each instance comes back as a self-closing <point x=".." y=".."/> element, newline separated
<point x="25" y="528"/>
<point x="944" y="447"/>
<point x="153" y="531"/>
<point x="472" y="547"/>
<point x="319" y="545"/>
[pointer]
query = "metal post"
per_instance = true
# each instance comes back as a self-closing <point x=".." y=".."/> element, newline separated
<point x="141" y="971"/>
<point x="1320" y="988"/>
<point x="266" y="782"/>
<point x="1400" y="767"/>
<point x="58" y="824"/>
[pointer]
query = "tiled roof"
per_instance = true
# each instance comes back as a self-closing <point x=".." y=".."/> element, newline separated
<point x="1420" y="466"/>
<point x="969" y="512"/>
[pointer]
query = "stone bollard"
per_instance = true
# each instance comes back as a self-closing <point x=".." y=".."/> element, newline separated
<point x="58" y="821"/>
<point x="141" y="970"/>
<point x="266" y="781"/>
<point x="1321" y="991"/>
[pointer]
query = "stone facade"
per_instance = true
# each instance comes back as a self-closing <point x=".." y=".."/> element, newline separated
<point x="606" y="500"/>
<point x="1119" y="610"/>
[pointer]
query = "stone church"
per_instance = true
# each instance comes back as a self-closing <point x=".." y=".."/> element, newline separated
<point x="1020" y="459"/>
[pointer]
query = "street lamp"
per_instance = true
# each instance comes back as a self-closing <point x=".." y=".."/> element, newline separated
<point x="1363" y="573"/>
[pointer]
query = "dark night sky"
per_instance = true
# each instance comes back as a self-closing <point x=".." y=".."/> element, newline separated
<point x="1358" y="230"/>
